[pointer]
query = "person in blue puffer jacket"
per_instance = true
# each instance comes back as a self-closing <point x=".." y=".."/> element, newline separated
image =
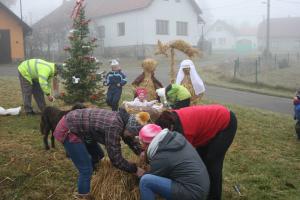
<point x="115" y="80"/>
<point x="296" y="102"/>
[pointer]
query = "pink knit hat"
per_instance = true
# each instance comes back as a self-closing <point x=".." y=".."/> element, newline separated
<point x="148" y="132"/>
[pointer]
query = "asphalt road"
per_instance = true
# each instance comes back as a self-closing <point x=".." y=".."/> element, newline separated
<point x="222" y="95"/>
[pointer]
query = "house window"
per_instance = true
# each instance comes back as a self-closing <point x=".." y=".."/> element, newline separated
<point x="182" y="28"/>
<point x="121" y="29"/>
<point x="162" y="27"/>
<point x="101" y="32"/>
<point x="222" y="41"/>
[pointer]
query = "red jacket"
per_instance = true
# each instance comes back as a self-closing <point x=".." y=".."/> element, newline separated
<point x="201" y="123"/>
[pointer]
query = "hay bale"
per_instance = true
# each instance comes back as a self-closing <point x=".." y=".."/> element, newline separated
<point x="114" y="184"/>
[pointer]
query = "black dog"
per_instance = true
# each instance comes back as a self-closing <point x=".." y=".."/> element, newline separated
<point x="50" y="118"/>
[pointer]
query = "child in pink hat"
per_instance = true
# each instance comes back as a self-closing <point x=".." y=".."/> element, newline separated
<point x="174" y="163"/>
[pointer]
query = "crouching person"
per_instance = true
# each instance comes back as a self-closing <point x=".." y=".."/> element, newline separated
<point x="178" y="96"/>
<point x="103" y="126"/>
<point x="176" y="170"/>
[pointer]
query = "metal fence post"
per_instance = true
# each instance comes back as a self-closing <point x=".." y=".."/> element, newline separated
<point x="259" y="62"/>
<point x="236" y="67"/>
<point x="256" y="71"/>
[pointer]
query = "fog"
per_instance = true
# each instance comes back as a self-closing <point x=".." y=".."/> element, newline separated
<point x="232" y="11"/>
<point x="254" y="11"/>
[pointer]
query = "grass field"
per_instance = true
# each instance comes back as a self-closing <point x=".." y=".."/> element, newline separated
<point x="263" y="159"/>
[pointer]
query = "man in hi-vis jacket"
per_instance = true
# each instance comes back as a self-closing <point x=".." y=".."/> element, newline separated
<point x="35" y="78"/>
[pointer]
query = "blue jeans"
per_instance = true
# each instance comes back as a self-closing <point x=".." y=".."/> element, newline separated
<point x="82" y="161"/>
<point x="151" y="185"/>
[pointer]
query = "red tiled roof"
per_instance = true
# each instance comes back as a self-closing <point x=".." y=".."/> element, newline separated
<point x="108" y="7"/>
<point x="98" y="8"/>
<point x="281" y="27"/>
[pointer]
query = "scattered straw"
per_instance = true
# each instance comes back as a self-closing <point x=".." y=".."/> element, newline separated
<point x="50" y="196"/>
<point x="114" y="184"/>
<point x="7" y="178"/>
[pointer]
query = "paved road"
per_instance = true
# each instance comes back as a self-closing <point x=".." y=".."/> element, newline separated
<point x="275" y="104"/>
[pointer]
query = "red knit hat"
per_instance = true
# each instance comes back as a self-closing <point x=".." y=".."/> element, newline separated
<point x="148" y="132"/>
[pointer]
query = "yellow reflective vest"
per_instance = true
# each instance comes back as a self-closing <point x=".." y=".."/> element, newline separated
<point x="38" y="70"/>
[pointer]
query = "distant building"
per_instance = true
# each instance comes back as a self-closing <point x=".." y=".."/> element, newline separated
<point x="284" y="35"/>
<point x="225" y="37"/>
<point x="133" y="27"/>
<point x="222" y="36"/>
<point x="12" y="33"/>
<point x="246" y="40"/>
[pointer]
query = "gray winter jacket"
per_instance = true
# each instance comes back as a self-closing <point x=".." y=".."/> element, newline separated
<point x="175" y="158"/>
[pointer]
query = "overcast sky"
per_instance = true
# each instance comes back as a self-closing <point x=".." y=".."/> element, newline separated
<point x="253" y="11"/>
<point x="233" y="11"/>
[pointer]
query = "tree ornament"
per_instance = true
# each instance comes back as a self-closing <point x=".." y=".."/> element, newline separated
<point x="67" y="48"/>
<point x="75" y="80"/>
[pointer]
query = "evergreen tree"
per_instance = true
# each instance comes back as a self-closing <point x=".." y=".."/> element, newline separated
<point x="79" y="74"/>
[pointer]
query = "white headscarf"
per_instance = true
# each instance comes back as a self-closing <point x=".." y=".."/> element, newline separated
<point x="197" y="82"/>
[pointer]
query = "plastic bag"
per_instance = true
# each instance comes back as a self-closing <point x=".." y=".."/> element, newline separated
<point x="10" y="111"/>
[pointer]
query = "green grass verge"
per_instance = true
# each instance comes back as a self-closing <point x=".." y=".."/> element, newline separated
<point x="263" y="159"/>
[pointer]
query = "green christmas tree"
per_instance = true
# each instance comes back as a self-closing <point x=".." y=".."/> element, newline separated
<point x="79" y="74"/>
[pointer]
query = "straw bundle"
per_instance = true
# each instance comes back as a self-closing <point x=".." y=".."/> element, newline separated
<point x="184" y="47"/>
<point x="114" y="184"/>
<point x="179" y="45"/>
<point x="149" y="65"/>
<point x="162" y="48"/>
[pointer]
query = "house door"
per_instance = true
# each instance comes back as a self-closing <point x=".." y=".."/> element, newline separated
<point x="5" y="50"/>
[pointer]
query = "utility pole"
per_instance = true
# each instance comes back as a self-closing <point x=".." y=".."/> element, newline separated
<point x="21" y="10"/>
<point x="202" y="36"/>
<point x="268" y="29"/>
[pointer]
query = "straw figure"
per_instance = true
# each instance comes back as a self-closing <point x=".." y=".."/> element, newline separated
<point x="180" y="45"/>
<point x="190" y="79"/>
<point x="147" y="80"/>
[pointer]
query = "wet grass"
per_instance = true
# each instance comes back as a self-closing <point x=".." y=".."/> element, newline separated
<point x="263" y="160"/>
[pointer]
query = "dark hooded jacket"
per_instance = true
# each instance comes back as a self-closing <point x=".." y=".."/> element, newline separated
<point x="175" y="158"/>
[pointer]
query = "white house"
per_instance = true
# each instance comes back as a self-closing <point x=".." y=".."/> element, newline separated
<point x="222" y="36"/>
<point x="134" y="26"/>
<point x="225" y="37"/>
